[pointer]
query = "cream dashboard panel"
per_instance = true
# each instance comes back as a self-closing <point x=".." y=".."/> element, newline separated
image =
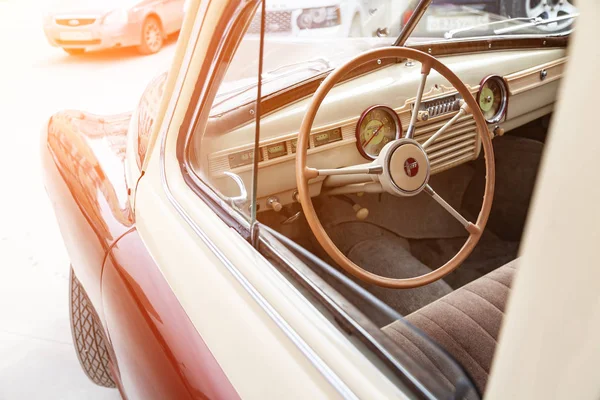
<point x="532" y="79"/>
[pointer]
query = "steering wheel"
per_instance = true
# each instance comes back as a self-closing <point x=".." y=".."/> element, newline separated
<point x="401" y="169"/>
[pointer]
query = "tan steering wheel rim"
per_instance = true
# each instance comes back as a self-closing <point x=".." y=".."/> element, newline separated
<point x="304" y="174"/>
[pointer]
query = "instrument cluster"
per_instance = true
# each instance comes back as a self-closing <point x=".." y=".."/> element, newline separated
<point x="378" y="125"/>
<point x="493" y="98"/>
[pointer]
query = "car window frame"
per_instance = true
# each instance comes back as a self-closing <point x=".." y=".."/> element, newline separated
<point x="237" y="15"/>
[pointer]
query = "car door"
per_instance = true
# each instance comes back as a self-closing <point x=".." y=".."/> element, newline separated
<point x="243" y="308"/>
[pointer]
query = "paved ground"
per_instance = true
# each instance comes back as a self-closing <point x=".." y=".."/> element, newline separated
<point x="37" y="359"/>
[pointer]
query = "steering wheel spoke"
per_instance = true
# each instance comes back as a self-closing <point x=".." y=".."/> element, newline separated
<point x="425" y="69"/>
<point x="462" y="111"/>
<point x="369" y="187"/>
<point x="469" y="226"/>
<point x="365" y="169"/>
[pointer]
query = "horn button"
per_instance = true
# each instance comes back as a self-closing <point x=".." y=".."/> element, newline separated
<point x="407" y="168"/>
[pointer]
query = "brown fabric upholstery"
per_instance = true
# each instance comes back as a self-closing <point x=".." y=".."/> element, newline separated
<point x="465" y="323"/>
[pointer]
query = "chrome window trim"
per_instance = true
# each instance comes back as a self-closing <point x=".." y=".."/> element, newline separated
<point x="308" y="352"/>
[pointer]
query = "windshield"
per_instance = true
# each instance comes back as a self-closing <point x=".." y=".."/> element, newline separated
<point x="467" y="19"/>
<point x="306" y="38"/>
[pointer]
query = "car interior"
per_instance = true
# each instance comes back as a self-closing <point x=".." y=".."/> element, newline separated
<point x="405" y="237"/>
<point x="390" y="234"/>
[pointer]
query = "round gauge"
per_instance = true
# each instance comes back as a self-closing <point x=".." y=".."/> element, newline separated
<point x="492" y="98"/>
<point x="377" y="126"/>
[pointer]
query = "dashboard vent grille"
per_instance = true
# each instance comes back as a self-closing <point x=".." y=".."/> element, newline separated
<point x="459" y="144"/>
<point x="439" y="106"/>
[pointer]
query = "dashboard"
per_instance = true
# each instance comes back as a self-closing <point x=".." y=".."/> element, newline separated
<point x="360" y="116"/>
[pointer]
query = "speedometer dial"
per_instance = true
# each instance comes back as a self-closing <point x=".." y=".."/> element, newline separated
<point x="376" y="127"/>
<point x="492" y="98"/>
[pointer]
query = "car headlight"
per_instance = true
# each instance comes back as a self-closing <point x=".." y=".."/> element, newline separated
<point x="116" y="17"/>
<point x="321" y="17"/>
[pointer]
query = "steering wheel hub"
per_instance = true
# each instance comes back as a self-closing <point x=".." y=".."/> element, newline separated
<point x="406" y="168"/>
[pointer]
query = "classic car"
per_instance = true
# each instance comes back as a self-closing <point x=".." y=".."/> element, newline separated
<point x="338" y="218"/>
<point x="80" y="26"/>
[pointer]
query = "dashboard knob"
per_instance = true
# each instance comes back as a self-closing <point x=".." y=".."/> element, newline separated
<point x="274" y="203"/>
<point x="498" y="131"/>
<point x="361" y="213"/>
